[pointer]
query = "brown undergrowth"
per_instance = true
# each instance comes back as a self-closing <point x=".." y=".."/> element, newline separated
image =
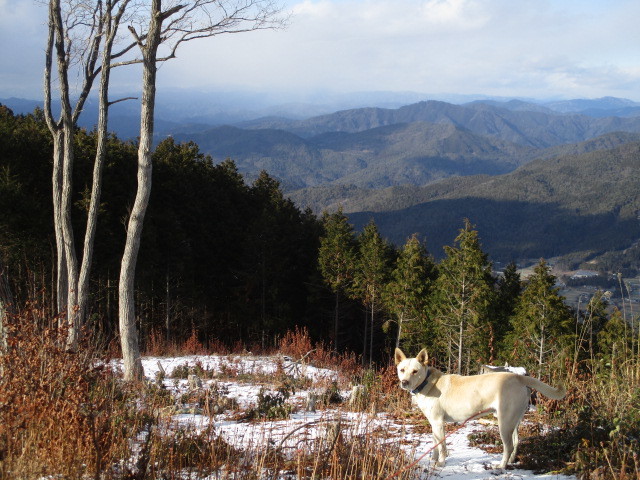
<point x="61" y="413"/>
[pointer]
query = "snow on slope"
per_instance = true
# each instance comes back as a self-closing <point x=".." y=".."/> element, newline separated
<point x="463" y="463"/>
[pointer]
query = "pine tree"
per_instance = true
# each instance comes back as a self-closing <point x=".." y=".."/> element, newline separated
<point x="509" y="289"/>
<point x="337" y="260"/>
<point x="542" y="322"/>
<point x="372" y="273"/>
<point x="406" y="295"/>
<point x="614" y="342"/>
<point x="465" y="298"/>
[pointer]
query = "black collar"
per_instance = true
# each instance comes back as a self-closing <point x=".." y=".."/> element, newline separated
<point x="419" y="388"/>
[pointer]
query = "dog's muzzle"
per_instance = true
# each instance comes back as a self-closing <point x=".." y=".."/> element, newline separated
<point x="404" y="384"/>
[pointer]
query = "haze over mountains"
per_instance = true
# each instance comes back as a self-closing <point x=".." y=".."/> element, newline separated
<point x="537" y="179"/>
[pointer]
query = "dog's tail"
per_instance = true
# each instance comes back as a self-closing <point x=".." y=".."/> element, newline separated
<point x="543" y="388"/>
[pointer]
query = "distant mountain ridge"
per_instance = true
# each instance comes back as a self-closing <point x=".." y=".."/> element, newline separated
<point x="537" y="129"/>
<point x="538" y="178"/>
<point x="181" y="110"/>
<point x="353" y="199"/>
<point x="588" y="203"/>
<point x="408" y="153"/>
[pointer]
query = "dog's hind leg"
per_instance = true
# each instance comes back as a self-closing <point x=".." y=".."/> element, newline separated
<point x="506" y="434"/>
<point x="516" y="440"/>
<point x="508" y="421"/>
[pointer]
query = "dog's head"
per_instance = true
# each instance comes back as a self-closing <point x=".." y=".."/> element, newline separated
<point x="411" y="371"/>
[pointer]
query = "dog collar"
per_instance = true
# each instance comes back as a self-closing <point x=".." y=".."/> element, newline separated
<point x="419" y="388"/>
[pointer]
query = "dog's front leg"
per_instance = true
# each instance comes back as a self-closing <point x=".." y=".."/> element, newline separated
<point x="440" y="451"/>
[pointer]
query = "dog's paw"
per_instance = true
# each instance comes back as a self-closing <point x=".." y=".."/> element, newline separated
<point x="496" y="469"/>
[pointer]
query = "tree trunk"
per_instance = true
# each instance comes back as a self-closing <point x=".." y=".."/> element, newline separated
<point x="66" y="172"/>
<point x="62" y="284"/>
<point x="373" y="303"/>
<point x="335" y="322"/>
<point x="101" y="149"/>
<point x="460" y="339"/>
<point x="126" y="289"/>
<point x="364" y="339"/>
<point x="541" y="351"/>
<point x="6" y="306"/>
<point x="58" y="154"/>
<point x="68" y="239"/>
<point x="400" y="320"/>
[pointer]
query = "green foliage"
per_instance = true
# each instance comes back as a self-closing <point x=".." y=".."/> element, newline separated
<point x="373" y="264"/>
<point x="337" y="253"/>
<point x="372" y="274"/>
<point x="464" y="300"/>
<point x="272" y="405"/>
<point x="25" y="188"/>
<point x="509" y="288"/>
<point x="615" y="341"/>
<point x="406" y="295"/>
<point x="541" y="324"/>
<point x="337" y="261"/>
<point x="229" y="259"/>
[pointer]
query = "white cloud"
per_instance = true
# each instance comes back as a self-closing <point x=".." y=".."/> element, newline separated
<point x="539" y="48"/>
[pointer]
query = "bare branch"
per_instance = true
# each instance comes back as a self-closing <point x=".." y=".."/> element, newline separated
<point x="113" y="102"/>
<point x="48" y="115"/>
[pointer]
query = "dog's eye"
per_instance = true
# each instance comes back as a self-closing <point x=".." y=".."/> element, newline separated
<point x="415" y="371"/>
<point x="402" y="370"/>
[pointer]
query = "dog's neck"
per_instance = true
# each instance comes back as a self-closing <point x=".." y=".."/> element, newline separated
<point x="419" y="388"/>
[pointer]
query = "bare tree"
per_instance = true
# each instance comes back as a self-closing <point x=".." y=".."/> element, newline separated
<point x="169" y="27"/>
<point x="60" y="45"/>
<point x="111" y="20"/>
<point x="6" y="307"/>
<point x="80" y="33"/>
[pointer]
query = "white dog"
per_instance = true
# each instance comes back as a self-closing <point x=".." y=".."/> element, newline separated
<point x="455" y="398"/>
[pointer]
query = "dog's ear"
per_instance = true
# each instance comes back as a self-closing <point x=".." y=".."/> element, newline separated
<point x="399" y="356"/>
<point x="423" y="357"/>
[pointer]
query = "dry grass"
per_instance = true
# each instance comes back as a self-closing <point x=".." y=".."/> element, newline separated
<point x="63" y="415"/>
<point x="60" y="413"/>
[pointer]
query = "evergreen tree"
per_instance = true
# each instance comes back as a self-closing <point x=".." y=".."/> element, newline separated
<point x="509" y="288"/>
<point x="372" y="273"/>
<point x="542" y="322"/>
<point x="337" y="260"/>
<point x="407" y="294"/>
<point x="465" y="299"/>
<point x="279" y="257"/>
<point x="592" y="320"/>
<point x="614" y="342"/>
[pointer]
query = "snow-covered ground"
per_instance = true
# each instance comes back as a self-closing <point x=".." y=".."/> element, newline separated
<point x="463" y="463"/>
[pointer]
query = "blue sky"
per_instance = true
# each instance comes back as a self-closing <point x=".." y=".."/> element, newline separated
<point x="524" y="48"/>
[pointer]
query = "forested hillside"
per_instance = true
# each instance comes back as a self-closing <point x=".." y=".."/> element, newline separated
<point x="217" y="255"/>
<point x="408" y="153"/>
<point x="586" y="203"/>
<point x="412" y="145"/>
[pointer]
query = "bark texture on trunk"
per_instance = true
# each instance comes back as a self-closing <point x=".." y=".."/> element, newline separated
<point x="62" y="284"/>
<point x="126" y="289"/>
<point x="6" y="306"/>
<point x="110" y="28"/>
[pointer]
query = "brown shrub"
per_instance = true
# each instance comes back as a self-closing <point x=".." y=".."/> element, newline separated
<point x="61" y="413"/>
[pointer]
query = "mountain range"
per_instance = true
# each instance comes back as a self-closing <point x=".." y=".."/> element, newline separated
<point x="535" y="183"/>
<point x="583" y="205"/>
<point x="554" y="178"/>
